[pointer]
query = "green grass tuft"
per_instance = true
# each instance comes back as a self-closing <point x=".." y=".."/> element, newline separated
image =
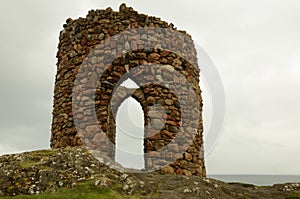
<point x="294" y="196"/>
<point x="85" y="190"/>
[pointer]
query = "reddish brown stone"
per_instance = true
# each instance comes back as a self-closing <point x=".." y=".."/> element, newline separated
<point x="179" y="171"/>
<point x="154" y="57"/>
<point x="75" y="44"/>
<point x="167" y="170"/>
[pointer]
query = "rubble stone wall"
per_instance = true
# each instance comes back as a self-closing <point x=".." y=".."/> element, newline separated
<point x="173" y="142"/>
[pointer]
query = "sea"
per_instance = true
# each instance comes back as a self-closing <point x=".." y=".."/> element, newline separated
<point x="259" y="180"/>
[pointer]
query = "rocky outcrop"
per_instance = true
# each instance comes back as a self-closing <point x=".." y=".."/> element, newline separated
<point x="38" y="171"/>
<point x="43" y="171"/>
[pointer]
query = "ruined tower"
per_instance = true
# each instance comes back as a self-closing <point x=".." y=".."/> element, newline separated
<point x="96" y="54"/>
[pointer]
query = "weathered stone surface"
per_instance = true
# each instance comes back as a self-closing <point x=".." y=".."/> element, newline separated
<point x="188" y="156"/>
<point x="48" y="171"/>
<point x="167" y="170"/>
<point x="187" y="172"/>
<point x="154" y="57"/>
<point x="157" y="124"/>
<point x="169" y="102"/>
<point x="80" y="41"/>
<point x="38" y="171"/>
<point x="100" y="138"/>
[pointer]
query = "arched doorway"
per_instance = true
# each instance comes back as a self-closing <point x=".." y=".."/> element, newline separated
<point x="130" y="132"/>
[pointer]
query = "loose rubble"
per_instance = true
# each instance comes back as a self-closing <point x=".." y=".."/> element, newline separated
<point x="43" y="171"/>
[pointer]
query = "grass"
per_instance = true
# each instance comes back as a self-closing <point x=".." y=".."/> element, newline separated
<point x="85" y="190"/>
<point x="42" y="153"/>
<point x="243" y="184"/>
<point x="294" y="196"/>
<point x="36" y="156"/>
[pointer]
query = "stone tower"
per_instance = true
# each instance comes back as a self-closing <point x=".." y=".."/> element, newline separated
<point x="96" y="54"/>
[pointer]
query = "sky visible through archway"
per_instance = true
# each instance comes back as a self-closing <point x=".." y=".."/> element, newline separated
<point x="130" y="127"/>
<point x="130" y="132"/>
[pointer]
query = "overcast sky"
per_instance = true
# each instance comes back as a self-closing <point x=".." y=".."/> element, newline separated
<point x="255" y="46"/>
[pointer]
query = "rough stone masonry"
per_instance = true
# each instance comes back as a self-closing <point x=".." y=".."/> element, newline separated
<point x="151" y="51"/>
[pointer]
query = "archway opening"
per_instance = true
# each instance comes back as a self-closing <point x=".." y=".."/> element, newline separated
<point x="130" y="133"/>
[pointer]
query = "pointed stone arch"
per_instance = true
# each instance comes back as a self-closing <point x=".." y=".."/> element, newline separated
<point x="76" y="42"/>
